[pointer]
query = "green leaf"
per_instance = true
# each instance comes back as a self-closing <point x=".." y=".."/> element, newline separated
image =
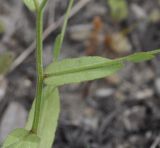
<point x="89" y="68"/>
<point x="119" y="10"/>
<point x="57" y="47"/>
<point x="60" y="38"/>
<point x="139" y="57"/>
<point x="30" y="4"/>
<point x="78" y="70"/>
<point x="6" y="60"/>
<point x="21" y="138"/>
<point x="50" y="110"/>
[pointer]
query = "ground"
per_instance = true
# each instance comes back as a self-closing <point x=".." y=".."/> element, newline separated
<point x="120" y="111"/>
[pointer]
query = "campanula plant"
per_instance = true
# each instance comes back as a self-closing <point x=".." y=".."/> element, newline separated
<point x="40" y="128"/>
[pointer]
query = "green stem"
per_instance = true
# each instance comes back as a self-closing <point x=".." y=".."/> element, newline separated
<point x="39" y="66"/>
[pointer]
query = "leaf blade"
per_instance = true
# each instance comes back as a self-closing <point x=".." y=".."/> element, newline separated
<point x="21" y="138"/>
<point x="29" y="4"/>
<point x="57" y="47"/>
<point x="89" y="68"/>
<point x="139" y="57"/>
<point x="60" y="38"/>
<point x="47" y="125"/>
<point x="78" y="70"/>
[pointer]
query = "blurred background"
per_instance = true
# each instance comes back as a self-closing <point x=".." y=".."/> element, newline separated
<point x="120" y="111"/>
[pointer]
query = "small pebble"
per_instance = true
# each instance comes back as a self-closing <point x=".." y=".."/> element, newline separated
<point x="120" y="44"/>
<point x="80" y="32"/>
<point x="134" y="118"/>
<point x="138" y="11"/>
<point x="104" y="92"/>
<point x="144" y="94"/>
<point x="114" y="79"/>
<point x="96" y="9"/>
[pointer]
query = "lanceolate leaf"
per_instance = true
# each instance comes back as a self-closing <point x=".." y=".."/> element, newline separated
<point x="139" y="57"/>
<point x="57" y="46"/>
<point x="49" y="117"/>
<point x="60" y="38"/>
<point x="30" y="4"/>
<point x="89" y="68"/>
<point x="78" y="70"/>
<point x="21" y="138"/>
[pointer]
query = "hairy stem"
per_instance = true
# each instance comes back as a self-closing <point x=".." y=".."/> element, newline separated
<point x="39" y="66"/>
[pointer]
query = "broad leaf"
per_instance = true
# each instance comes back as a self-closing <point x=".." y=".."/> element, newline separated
<point x="49" y="117"/>
<point x="5" y="61"/>
<point x="21" y="138"/>
<point x="89" y="68"/>
<point x="78" y="70"/>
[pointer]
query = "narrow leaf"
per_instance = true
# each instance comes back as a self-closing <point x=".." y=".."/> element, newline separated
<point x="21" y="138"/>
<point x="49" y="117"/>
<point x="30" y="4"/>
<point x="89" y="68"/>
<point x="57" y="46"/>
<point x="60" y="38"/>
<point x="78" y="70"/>
<point x="139" y="57"/>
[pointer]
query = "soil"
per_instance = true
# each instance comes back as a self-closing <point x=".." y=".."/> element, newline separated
<point x="120" y="111"/>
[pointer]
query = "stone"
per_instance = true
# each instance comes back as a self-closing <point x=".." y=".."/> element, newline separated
<point x="133" y="118"/>
<point x="96" y="9"/>
<point x="144" y="94"/>
<point x="80" y="32"/>
<point x="120" y="43"/>
<point x="104" y="92"/>
<point x="138" y="12"/>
